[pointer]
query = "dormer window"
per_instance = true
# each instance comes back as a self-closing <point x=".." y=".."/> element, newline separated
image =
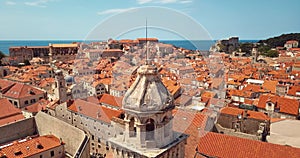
<point x="269" y="104"/>
<point x="277" y="109"/>
<point x="39" y="145"/>
<point x="31" y="92"/>
<point x="18" y="153"/>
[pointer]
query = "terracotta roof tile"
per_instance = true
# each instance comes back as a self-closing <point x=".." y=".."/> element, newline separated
<point x="253" y="88"/>
<point x="191" y="123"/>
<point x="20" y="90"/>
<point x="270" y="85"/>
<point x="94" y="111"/>
<point x="149" y="39"/>
<point x="224" y="146"/>
<point x="240" y="93"/>
<point x="5" y="85"/>
<point x="29" y="147"/>
<point x="285" y="105"/>
<point x="111" y="100"/>
<point x="9" y="113"/>
<point x="250" y="114"/>
<point x="293" y="90"/>
<point x="38" y="106"/>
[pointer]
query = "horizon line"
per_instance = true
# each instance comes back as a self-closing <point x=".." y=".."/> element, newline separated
<point x="120" y="39"/>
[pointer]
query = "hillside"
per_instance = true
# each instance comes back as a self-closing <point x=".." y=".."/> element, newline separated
<point x="280" y="40"/>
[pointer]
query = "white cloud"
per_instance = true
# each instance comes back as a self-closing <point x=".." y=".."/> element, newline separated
<point x="163" y="1"/>
<point x="144" y="1"/>
<point x="167" y="1"/>
<point x="113" y="11"/>
<point x="10" y="3"/>
<point x="38" y="3"/>
<point x="186" y="1"/>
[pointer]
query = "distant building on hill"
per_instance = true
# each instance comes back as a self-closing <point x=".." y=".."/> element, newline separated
<point x="291" y="44"/>
<point x="60" y="52"/>
<point x="63" y="52"/>
<point x="228" y="45"/>
<point x="143" y="40"/>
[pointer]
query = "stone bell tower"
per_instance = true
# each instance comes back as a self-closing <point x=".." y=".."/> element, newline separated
<point x="60" y="89"/>
<point x="148" y="109"/>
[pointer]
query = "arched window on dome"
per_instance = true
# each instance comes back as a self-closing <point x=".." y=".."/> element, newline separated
<point x="166" y="126"/>
<point x="132" y="128"/>
<point x="150" y="129"/>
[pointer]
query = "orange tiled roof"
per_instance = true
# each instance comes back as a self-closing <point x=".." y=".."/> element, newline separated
<point x="295" y="49"/>
<point x="293" y="90"/>
<point x="171" y="85"/>
<point x="111" y="100"/>
<point x="8" y="113"/>
<point x="29" y="147"/>
<point x="224" y="146"/>
<point x="240" y="93"/>
<point x="149" y="39"/>
<point x="250" y="114"/>
<point x="94" y="111"/>
<point x="20" y="90"/>
<point x="253" y="88"/>
<point x="270" y="85"/>
<point x="46" y="82"/>
<point x="7" y="110"/>
<point x="5" y="85"/>
<point x="285" y="105"/>
<point x="64" y="45"/>
<point x="38" y="106"/>
<point x="232" y="82"/>
<point x="191" y="123"/>
<point x="291" y="41"/>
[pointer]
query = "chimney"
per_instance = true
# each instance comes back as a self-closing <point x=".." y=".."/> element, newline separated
<point x="245" y="114"/>
<point x="98" y="114"/>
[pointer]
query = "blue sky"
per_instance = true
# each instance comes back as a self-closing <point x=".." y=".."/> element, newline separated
<point x="76" y="19"/>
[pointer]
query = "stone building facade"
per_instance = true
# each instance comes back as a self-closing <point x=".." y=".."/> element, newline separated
<point x="63" y="52"/>
<point x="92" y="118"/>
<point x="60" y="52"/>
<point x="244" y="121"/>
<point x="22" y="95"/>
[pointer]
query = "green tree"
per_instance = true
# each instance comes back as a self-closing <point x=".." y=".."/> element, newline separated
<point x="272" y="53"/>
<point x="246" y="47"/>
<point x="263" y="49"/>
<point x="222" y="48"/>
<point x="2" y="55"/>
<point x="280" y="40"/>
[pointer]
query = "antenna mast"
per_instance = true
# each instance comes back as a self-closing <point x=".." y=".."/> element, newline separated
<point x="147" y="60"/>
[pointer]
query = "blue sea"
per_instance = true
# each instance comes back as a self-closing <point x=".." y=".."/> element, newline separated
<point x="191" y="45"/>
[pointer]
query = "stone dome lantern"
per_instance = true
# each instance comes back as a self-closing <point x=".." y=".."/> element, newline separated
<point x="147" y="93"/>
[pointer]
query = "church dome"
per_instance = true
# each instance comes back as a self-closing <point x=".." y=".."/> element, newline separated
<point x="147" y="93"/>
